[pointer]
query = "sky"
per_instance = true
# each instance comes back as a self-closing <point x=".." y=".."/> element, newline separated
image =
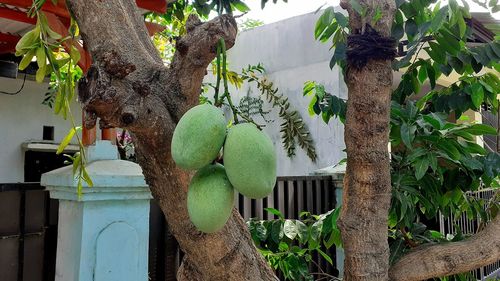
<point x="280" y="10"/>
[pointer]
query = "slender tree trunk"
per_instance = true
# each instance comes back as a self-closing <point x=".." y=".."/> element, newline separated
<point x="367" y="186"/>
<point x="129" y="87"/>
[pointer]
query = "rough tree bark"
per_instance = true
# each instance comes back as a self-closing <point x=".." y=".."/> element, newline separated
<point x="129" y="87"/>
<point x="367" y="186"/>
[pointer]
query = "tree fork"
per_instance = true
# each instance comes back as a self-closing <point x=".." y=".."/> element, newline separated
<point x="367" y="186"/>
<point x="129" y="87"/>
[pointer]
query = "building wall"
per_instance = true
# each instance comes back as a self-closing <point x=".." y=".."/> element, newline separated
<point x="291" y="57"/>
<point x="22" y="118"/>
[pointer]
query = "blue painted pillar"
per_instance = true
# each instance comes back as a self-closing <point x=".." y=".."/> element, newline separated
<point x="103" y="233"/>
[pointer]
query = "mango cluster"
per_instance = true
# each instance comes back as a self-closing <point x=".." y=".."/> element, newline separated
<point x="249" y="164"/>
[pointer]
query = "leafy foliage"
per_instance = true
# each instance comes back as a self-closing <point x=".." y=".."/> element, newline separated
<point x="288" y="245"/>
<point x="435" y="163"/>
<point x="293" y="129"/>
<point x="205" y="7"/>
<point x="44" y="44"/>
<point x="250" y="24"/>
<point x="324" y="103"/>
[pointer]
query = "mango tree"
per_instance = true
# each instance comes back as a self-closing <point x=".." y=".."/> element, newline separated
<point x="129" y="86"/>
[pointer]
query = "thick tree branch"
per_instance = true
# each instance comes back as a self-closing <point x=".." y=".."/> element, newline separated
<point x="128" y="86"/>
<point x="451" y="258"/>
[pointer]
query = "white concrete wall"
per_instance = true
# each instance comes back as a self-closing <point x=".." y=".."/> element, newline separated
<point x="22" y="118"/>
<point x="291" y="57"/>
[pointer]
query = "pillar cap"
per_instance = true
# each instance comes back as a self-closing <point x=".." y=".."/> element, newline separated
<point x="113" y="180"/>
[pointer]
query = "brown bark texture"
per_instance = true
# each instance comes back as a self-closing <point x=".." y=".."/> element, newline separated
<point x="439" y="260"/>
<point x="367" y="186"/>
<point x="129" y="87"/>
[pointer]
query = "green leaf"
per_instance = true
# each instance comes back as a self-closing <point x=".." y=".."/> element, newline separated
<point x="41" y="58"/>
<point x="422" y="73"/>
<point x="290" y="229"/>
<point x="40" y="74"/>
<point x="432" y="161"/>
<point x="325" y="256"/>
<point x="74" y="54"/>
<point x="449" y="149"/>
<point x="473" y="147"/>
<point x="240" y="6"/>
<point x="302" y="231"/>
<point x="26" y="59"/>
<point x="408" y="134"/>
<point x="434" y="120"/>
<point x="477" y="95"/>
<point x="320" y="91"/>
<point x="341" y="19"/>
<point x="438" y="19"/>
<point x="308" y="87"/>
<point x="421" y="165"/>
<point x="311" y="108"/>
<point x="448" y="42"/>
<point x="480" y="129"/>
<point x="66" y="140"/>
<point x="334" y="238"/>
<point x="86" y="177"/>
<point x="275" y="212"/>
<point x="461" y="25"/>
<point x="76" y="162"/>
<point x="411" y="28"/>
<point x="436" y="52"/>
<point x="45" y="27"/>
<point x="28" y="41"/>
<point x="59" y="102"/>
<point x="356" y="6"/>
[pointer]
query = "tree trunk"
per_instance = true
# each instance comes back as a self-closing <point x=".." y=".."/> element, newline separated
<point x="367" y="186"/>
<point x="129" y="87"/>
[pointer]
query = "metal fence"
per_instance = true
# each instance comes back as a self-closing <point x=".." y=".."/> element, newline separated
<point x="28" y="227"/>
<point x="28" y="233"/>
<point x="315" y="194"/>
<point x="451" y="224"/>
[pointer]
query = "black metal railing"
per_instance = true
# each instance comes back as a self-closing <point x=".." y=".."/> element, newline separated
<point x="28" y="233"/>
<point x="28" y="227"/>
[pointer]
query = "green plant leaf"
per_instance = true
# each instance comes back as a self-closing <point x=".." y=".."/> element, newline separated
<point x="40" y="74"/>
<point x="41" y="58"/>
<point x="64" y="143"/>
<point x="86" y="177"/>
<point x="26" y="59"/>
<point x="480" y="129"/>
<point x="325" y="256"/>
<point x="477" y="95"/>
<point x="290" y="229"/>
<point x="408" y="134"/>
<point x="356" y="6"/>
<point x="275" y="212"/>
<point x="449" y="149"/>
<point x="421" y="165"/>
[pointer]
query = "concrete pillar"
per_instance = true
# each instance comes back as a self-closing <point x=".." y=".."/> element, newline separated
<point x="103" y="233"/>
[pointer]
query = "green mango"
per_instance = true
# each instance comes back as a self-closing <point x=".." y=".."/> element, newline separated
<point x="210" y="198"/>
<point x="250" y="161"/>
<point x="198" y="137"/>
